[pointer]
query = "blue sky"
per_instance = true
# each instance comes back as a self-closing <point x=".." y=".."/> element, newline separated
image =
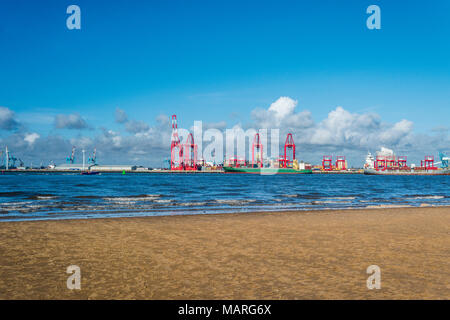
<point x="219" y="60"/>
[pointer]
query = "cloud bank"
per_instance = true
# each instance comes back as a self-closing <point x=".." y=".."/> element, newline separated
<point x="341" y="128"/>
<point x="71" y="121"/>
<point x="341" y="132"/>
<point x="345" y="133"/>
<point x="7" y="119"/>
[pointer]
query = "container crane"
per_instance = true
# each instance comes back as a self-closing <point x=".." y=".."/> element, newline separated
<point x="71" y="159"/>
<point x="341" y="163"/>
<point x="289" y="144"/>
<point x="93" y="159"/>
<point x="10" y="161"/>
<point x="175" y="147"/>
<point x="190" y="153"/>
<point x="259" y="147"/>
<point x="166" y="163"/>
<point x="428" y="163"/>
<point x="444" y="160"/>
<point x="327" y="163"/>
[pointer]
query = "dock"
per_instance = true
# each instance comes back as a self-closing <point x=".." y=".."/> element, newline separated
<point x="154" y="171"/>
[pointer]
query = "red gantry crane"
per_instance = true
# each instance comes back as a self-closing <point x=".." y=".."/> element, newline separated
<point x="259" y="147"/>
<point x="176" y="150"/>
<point x="402" y="162"/>
<point x="289" y="144"/>
<point x="428" y="163"/>
<point x="190" y="154"/>
<point x="341" y="163"/>
<point x="327" y="163"/>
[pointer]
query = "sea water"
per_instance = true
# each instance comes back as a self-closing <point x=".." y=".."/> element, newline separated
<point x="43" y="196"/>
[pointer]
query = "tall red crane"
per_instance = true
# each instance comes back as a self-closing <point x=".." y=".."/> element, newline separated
<point x="341" y="163"/>
<point x="258" y="145"/>
<point x="190" y="154"/>
<point x="176" y="149"/>
<point x="289" y="144"/>
<point x="428" y="163"/>
<point x="327" y="163"/>
<point x="402" y="162"/>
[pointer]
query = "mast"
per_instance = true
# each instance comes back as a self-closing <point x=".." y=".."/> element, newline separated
<point x="83" y="158"/>
<point x="7" y="158"/>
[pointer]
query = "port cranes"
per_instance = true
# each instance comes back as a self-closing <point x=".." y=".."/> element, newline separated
<point x="289" y="144"/>
<point x="190" y="154"/>
<point x="259" y="147"/>
<point x="444" y="160"/>
<point x="176" y="150"/>
<point x="428" y="163"/>
<point x="93" y="159"/>
<point x="341" y="163"/>
<point x="10" y="160"/>
<point x="71" y="159"/>
<point x="182" y="156"/>
<point x="327" y="163"/>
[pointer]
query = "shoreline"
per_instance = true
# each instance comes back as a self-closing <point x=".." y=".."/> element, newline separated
<point x="257" y="255"/>
<point x="277" y="211"/>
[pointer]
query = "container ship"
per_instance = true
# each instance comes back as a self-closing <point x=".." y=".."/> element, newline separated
<point x="268" y="171"/>
<point x="387" y="163"/>
<point x="281" y="166"/>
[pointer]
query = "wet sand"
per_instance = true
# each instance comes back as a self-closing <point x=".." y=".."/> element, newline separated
<point x="288" y="255"/>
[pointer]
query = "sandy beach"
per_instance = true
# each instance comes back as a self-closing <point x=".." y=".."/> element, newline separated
<point x="288" y="255"/>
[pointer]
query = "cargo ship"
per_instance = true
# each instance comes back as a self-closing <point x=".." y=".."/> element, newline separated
<point x="268" y="171"/>
<point x="410" y="171"/>
<point x="296" y="168"/>
<point x="387" y="163"/>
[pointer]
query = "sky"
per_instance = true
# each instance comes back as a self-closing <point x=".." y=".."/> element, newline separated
<point x="312" y="68"/>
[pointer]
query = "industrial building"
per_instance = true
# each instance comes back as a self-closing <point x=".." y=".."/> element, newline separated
<point x="68" y="167"/>
<point x="101" y="168"/>
<point x="115" y="168"/>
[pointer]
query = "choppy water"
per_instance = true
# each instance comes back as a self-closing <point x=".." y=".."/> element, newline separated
<point x="70" y="196"/>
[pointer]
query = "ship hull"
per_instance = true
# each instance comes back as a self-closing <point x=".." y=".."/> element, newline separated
<point x="444" y="172"/>
<point x="88" y="173"/>
<point x="268" y="171"/>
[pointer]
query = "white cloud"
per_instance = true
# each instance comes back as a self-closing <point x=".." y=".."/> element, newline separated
<point x="7" y="119"/>
<point x="283" y="107"/>
<point x="133" y="126"/>
<point x="71" y="121"/>
<point x="121" y="116"/>
<point x="281" y="114"/>
<point x="341" y="132"/>
<point x="81" y="142"/>
<point x="395" y="134"/>
<point x="31" y="137"/>
<point x="341" y="129"/>
<point x="345" y="133"/>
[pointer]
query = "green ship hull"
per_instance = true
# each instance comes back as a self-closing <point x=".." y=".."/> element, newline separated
<point x="268" y="171"/>
<point x="443" y="172"/>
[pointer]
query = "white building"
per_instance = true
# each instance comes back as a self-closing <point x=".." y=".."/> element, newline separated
<point x="118" y="168"/>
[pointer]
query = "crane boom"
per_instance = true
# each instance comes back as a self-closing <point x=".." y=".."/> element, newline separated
<point x="71" y="159"/>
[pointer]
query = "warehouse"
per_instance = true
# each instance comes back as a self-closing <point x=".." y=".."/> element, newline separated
<point x="118" y="168"/>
